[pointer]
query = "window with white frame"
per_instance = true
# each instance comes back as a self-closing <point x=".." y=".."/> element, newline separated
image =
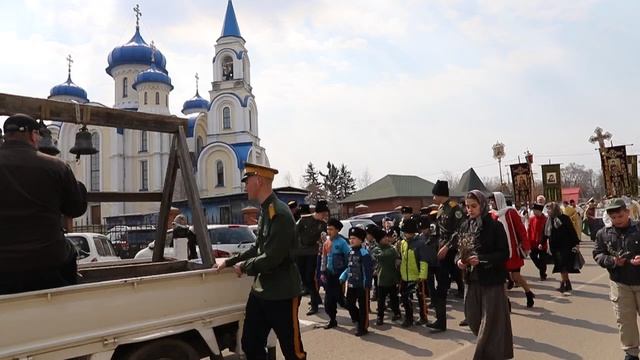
<point x="94" y="166"/>
<point x="219" y="174"/>
<point x="226" y="118"/>
<point x="144" y="175"/>
<point x="144" y="141"/>
<point x="125" y="87"/>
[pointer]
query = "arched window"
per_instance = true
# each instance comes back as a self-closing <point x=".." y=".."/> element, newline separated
<point x="94" y="165"/>
<point x="145" y="98"/>
<point x="157" y="98"/>
<point x="226" y="118"/>
<point x="125" y="87"/>
<point x="144" y="175"/>
<point x="220" y="173"/>
<point x="250" y="122"/>
<point x="166" y="99"/>
<point x="199" y="145"/>
<point x="227" y="68"/>
<point x="144" y="141"/>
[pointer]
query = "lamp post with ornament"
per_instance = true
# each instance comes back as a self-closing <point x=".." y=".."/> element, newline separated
<point x="498" y="154"/>
<point x="529" y="157"/>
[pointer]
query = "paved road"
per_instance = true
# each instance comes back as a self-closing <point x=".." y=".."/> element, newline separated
<point x="580" y="326"/>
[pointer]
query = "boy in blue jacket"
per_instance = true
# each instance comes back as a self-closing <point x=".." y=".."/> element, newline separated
<point x="358" y="275"/>
<point x="335" y="253"/>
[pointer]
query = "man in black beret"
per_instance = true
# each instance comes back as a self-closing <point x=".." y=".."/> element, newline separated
<point x="448" y="220"/>
<point x="37" y="190"/>
<point x="295" y="211"/>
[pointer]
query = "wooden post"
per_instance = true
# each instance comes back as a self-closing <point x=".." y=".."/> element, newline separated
<point x="165" y="204"/>
<point x="199" y="221"/>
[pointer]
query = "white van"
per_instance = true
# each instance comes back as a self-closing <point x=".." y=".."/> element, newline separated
<point x="92" y="247"/>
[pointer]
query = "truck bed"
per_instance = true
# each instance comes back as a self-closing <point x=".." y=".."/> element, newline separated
<point x="115" y="304"/>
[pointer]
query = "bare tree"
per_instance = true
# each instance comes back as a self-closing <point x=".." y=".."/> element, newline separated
<point x="365" y="179"/>
<point x="589" y="182"/>
<point x="451" y="178"/>
<point x="288" y="179"/>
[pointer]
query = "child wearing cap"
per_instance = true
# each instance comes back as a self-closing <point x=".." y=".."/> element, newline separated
<point x="358" y="276"/>
<point x="388" y="276"/>
<point x="335" y="253"/>
<point x="413" y="270"/>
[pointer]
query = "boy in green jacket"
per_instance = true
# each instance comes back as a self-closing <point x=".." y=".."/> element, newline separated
<point x="388" y="277"/>
<point x="413" y="270"/>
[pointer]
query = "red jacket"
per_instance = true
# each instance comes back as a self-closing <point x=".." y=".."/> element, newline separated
<point x="516" y="234"/>
<point x="536" y="231"/>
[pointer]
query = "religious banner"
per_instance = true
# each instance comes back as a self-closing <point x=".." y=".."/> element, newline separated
<point x="632" y="165"/>
<point x="521" y="175"/>
<point x="615" y="171"/>
<point x="552" y="182"/>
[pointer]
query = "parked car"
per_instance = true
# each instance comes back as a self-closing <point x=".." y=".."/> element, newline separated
<point x="92" y="247"/>
<point x="349" y="223"/>
<point x="226" y="241"/>
<point x="254" y="228"/>
<point x="128" y="240"/>
<point x="377" y="217"/>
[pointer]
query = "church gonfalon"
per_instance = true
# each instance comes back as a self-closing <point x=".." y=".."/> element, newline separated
<point x="222" y="132"/>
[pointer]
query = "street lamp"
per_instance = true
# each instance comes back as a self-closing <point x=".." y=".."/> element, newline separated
<point x="498" y="154"/>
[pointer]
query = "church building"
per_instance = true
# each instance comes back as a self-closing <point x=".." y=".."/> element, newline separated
<point x="222" y="133"/>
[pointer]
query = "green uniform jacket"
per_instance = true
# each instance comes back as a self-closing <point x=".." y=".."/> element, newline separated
<point x="269" y="260"/>
<point x="413" y="266"/>
<point x="449" y="218"/>
<point x="388" y="273"/>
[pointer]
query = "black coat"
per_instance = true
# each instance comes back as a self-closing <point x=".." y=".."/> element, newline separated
<point x="37" y="189"/>
<point x="492" y="251"/>
<point x="561" y="242"/>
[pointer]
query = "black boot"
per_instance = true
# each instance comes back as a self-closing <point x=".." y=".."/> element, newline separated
<point x="562" y="287"/>
<point x="331" y="324"/>
<point x="530" y="297"/>
<point x="441" y="316"/>
<point x="408" y="322"/>
<point x="568" y="286"/>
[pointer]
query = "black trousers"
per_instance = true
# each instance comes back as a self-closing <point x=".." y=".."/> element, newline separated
<point x="332" y="295"/>
<point x="392" y="292"/>
<point x="439" y="281"/>
<point x="264" y="315"/>
<point x="407" y="289"/>
<point x="358" y="306"/>
<point x="17" y="282"/>
<point x="539" y="258"/>
<point x="307" y="265"/>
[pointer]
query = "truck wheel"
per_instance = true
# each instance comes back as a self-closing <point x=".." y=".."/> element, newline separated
<point x="164" y="349"/>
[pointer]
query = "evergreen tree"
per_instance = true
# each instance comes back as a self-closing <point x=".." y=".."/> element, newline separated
<point x="330" y="181"/>
<point x="312" y="184"/>
<point x="346" y="183"/>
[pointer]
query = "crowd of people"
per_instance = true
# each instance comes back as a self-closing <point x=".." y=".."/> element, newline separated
<point x="410" y="264"/>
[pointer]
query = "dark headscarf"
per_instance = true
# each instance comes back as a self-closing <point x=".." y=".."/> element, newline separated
<point x="475" y="224"/>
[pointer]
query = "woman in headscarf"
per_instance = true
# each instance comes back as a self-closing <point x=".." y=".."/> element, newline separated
<point x="482" y="253"/>
<point x="518" y="242"/>
<point x="563" y="242"/>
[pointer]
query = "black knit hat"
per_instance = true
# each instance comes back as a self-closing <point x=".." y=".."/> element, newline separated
<point x="406" y="210"/>
<point x="441" y="188"/>
<point x="358" y="232"/>
<point x="304" y="209"/>
<point x="335" y="223"/>
<point x="322" y="206"/>
<point x="409" y="225"/>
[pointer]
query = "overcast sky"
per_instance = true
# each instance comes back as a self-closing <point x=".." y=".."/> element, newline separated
<point x="392" y="87"/>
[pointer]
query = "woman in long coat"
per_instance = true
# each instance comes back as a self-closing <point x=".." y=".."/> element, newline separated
<point x="482" y="253"/>
<point x="563" y="242"/>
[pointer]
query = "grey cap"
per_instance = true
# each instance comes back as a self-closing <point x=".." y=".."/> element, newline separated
<point x="616" y="204"/>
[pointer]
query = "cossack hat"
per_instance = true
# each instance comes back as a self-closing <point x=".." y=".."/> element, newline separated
<point x="358" y="232"/>
<point x="441" y="188"/>
<point x="537" y="206"/>
<point x="409" y="226"/>
<point x="258" y="170"/>
<point x="305" y="209"/>
<point x="322" y="206"/>
<point x="406" y="210"/>
<point x="335" y="223"/>
<point x="20" y="123"/>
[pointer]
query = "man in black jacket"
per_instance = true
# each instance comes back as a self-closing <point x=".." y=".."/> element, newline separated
<point x="309" y="230"/>
<point x="618" y="250"/>
<point x="37" y="190"/>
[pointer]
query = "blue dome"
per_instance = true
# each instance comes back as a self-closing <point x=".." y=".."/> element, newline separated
<point x="136" y="51"/>
<point x="68" y="88"/>
<point x="196" y="102"/>
<point x="152" y="75"/>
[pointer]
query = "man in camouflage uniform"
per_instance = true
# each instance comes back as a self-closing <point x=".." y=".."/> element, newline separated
<point x="275" y="295"/>
<point x="449" y="218"/>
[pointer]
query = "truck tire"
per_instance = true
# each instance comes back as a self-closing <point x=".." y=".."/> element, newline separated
<point x="164" y="349"/>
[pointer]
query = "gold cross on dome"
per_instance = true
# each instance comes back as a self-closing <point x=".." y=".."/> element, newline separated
<point x="69" y="62"/>
<point x="153" y="51"/>
<point x="136" y="10"/>
<point x="197" y="78"/>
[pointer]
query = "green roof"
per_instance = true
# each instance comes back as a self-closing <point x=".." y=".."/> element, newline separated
<point x="392" y="186"/>
<point x="469" y="181"/>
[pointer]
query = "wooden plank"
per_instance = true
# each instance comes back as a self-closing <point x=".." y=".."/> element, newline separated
<point x="90" y="114"/>
<point x="165" y="204"/>
<point x="199" y="222"/>
<point x="108" y="196"/>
